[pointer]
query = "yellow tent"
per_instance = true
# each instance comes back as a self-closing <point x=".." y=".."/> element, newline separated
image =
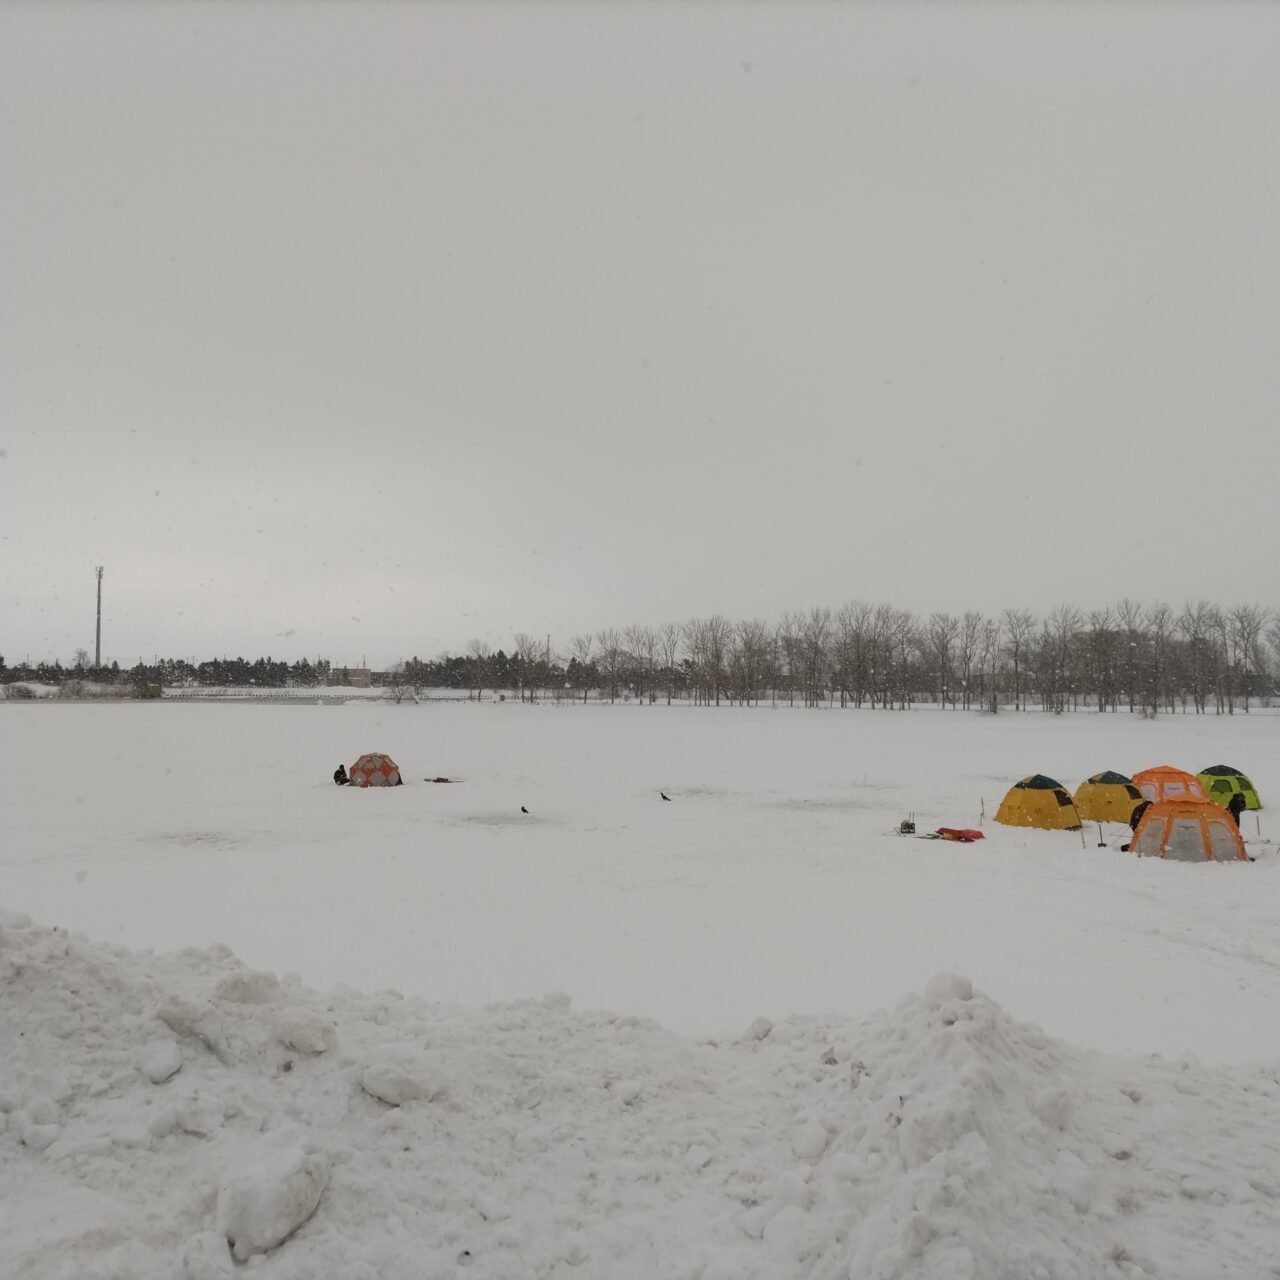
<point x="1038" y="801"/>
<point x="1107" y="797"/>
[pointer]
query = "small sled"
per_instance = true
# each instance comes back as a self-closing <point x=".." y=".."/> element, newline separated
<point x="962" y="835"/>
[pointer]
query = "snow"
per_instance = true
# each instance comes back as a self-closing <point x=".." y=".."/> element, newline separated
<point x="939" y="1138"/>
<point x="796" y="1081"/>
<point x="273" y="1192"/>
<point x="402" y="1074"/>
<point x="161" y="1060"/>
<point x="769" y="885"/>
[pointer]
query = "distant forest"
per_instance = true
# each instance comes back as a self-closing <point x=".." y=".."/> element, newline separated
<point x="1132" y="657"/>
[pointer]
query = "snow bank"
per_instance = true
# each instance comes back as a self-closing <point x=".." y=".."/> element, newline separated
<point x="162" y="1112"/>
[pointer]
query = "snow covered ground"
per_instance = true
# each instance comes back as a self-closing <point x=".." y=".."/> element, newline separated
<point x="793" y="1110"/>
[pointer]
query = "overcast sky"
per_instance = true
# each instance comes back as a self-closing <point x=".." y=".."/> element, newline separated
<point x="360" y="330"/>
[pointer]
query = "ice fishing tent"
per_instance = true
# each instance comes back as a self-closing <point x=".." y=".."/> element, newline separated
<point x="1038" y="801"/>
<point x="1188" y="830"/>
<point x="1107" y="797"/>
<point x="1221" y="782"/>
<point x="1164" y="782"/>
<point x="375" y="770"/>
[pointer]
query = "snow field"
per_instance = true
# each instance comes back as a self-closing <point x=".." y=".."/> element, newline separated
<point x="770" y="884"/>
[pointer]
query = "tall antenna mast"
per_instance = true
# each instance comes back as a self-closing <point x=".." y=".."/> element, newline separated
<point x="97" y="642"/>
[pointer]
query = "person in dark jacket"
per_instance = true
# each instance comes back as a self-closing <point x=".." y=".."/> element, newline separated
<point x="1235" y="806"/>
<point x="1134" y="818"/>
<point x="340" y="775"/>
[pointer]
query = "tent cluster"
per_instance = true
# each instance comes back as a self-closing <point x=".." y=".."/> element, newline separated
<point x="1183" y="816"/>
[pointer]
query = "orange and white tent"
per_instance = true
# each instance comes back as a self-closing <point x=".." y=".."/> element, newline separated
<point x="376" y="770"/>
<point x="1188" y="830"/>
<point x="1164" y="782"/>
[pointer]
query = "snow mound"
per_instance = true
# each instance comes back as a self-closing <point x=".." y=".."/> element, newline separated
<point x="372" y="1135"/>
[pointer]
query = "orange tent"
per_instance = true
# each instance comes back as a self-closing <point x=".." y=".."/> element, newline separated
<point x="1188" y="830"/>
<point x="377" y="770"/>
<point x="1164" y="782"/>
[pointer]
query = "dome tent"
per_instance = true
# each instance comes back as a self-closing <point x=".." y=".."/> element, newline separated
<point x="1107" y="797"/>
<point x="375" y="770"/>
<point x="1221" y="782"/>
<point x="1188" y="830"/>
<point x="1041" y="802"/>
<point x="1164" y="782"/>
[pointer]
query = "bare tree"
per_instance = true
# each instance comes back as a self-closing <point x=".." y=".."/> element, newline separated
<point x="1156" y="682"/>
<point x="1054" y="657"/>
<point x="527" y="651"/>
<point x="580" y="648"/>
<point x="670" y="635"/>
<point x="1101" y="663"/>
<point x="787" y="643"/>
<point x="748" y="658"/>
<point x="1129" y="616"/>
<point x="398" y="684"/>
<point x="942" y="632"/>
<point x="717" y="632"/>
<point x="1273" y="641"/>
<point x="1019" y="624"/>
<point x="1247" y="624"/>
<point x="642" y="648"/>
<point x="611" y="658"/>
<point x="815" y="638"/>
<point x="970" y="649"/>
<point x="481" y="659"/>
<point x="1196" y="625"/>
<point x="992" y="646"/>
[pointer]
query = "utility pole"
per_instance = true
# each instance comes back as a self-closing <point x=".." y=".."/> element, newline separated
<point x="97" y="642"/>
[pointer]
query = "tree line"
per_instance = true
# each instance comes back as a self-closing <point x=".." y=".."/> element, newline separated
<point x="1146" y="658"/>
<point x="1127" y="656"/>
<point x="150" y="678"/>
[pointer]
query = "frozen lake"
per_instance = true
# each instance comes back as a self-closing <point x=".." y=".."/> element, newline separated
<point x="769" y="885"/>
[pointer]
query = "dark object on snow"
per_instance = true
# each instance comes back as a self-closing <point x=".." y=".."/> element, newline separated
<point x="1136" y="816"/>
<point x="907" y="827"/>
<point x="1236" y="805"/>
<point x="664" y="795"/>
<point x="340" y="775"/>
<point x="523" y="809"/>
<point x="437" y="779"/>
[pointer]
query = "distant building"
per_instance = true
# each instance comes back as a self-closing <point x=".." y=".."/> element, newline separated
<point x="357" y="677"/>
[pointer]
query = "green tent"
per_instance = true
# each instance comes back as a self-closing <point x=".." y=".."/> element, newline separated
<point x="1221" y="782"/>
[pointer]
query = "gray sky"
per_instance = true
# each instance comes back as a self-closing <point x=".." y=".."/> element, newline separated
<point x="364" y="329"/>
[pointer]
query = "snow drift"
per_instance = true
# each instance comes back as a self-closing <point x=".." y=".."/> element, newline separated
<point x="162" y="1111"/>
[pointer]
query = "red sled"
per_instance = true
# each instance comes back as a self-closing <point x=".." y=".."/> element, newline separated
<point x="966" y="835"/>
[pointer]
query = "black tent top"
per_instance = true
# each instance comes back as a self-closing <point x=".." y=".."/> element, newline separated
<point x="1111" y="776"/>
<point x="1222" y="771"/>
<point x="1038" y="782"/>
